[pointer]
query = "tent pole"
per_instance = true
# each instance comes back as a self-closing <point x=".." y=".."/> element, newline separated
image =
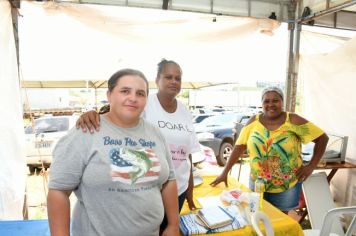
<point x="293" y="56"/>
<point x="296" y="65"/>
<point x="15" y="6"/>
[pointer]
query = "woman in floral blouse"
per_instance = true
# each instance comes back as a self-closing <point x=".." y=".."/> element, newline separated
<point x="273" y="141"/>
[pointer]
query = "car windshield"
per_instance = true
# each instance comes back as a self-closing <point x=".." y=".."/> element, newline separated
<point x="47" y="125"/>
<point x="200" y="118"/>
<point x="244" y="120"/>
<point x="220" y="120"/>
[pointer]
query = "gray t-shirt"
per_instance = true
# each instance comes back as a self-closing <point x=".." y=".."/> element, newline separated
<point x="117" y="175"/>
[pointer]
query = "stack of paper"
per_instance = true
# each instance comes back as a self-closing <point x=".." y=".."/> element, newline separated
<point x="189" y="224"/>
<point x="214" y="217"/>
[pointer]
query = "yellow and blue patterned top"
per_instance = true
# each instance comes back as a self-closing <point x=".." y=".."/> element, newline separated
<point x="276" y="155"/>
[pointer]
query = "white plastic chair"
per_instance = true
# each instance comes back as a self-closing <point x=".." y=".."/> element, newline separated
<point x="258" y="216"/>
<point x="328" y="220"/>
<point x="319" y="201"/>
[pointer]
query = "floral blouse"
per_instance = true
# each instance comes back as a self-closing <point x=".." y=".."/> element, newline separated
<point x="276" y="155"/>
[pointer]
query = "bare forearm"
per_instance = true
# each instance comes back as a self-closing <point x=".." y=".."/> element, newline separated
<point x="191" y="181"/>
<point x="235" y="155"/>
<point x="170" y="202"/>
<point x="58" y="206"/>
<point x="319" y="149"/>
<point x="189" y="195"/>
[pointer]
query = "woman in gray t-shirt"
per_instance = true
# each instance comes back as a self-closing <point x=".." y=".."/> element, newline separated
<point x="122" y="175"/>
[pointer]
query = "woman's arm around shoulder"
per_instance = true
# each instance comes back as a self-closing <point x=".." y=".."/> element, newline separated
<point x="89" y="120"/>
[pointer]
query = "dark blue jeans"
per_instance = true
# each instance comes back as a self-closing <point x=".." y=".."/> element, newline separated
<point x="284" y="201"/>
<point x="164" y="223"/>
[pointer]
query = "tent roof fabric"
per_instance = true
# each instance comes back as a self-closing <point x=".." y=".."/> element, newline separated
<point x="103" y="84"/>
<point x="86" y="42"/>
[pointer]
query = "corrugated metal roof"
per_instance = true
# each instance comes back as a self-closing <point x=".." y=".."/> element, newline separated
<point x="342" y="17"/>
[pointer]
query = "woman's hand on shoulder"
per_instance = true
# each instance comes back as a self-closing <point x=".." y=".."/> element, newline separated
<point x="89" y="120"/>
<point x="297" y="119"/>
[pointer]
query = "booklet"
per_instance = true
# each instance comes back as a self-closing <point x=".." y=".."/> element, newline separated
<point x="190" y="224"/>
<point x="214" y="217"/>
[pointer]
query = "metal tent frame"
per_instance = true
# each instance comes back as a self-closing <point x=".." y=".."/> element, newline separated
<point x="339" y="14"/>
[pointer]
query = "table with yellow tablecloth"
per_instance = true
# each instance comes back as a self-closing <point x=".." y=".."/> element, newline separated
<point x="283" y="225"/>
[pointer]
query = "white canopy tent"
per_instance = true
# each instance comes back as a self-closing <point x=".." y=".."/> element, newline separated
<point x="74" y="42"/>
<point x="66" y="42"/>
<point x="98" y="40"/>
<point x="327" y="94"/>
<point x="12" y="168"/>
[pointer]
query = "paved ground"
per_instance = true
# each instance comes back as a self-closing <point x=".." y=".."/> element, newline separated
<point x="36" y="190"/>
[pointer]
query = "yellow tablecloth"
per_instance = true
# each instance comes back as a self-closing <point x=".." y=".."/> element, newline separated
<point x="283" y="225"/>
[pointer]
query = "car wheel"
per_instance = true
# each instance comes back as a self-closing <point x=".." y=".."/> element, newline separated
<point x="224" y="153"/>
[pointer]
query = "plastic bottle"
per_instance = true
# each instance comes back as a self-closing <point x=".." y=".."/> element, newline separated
<point x="260" y="188"/>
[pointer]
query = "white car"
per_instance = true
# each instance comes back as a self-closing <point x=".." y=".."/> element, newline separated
<point x="43" y="137"/>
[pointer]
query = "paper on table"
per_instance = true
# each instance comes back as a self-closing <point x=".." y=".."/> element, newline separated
<point x="215" y="217"/>
<point x="189" y="225"/>
<point x="210" y="201"/>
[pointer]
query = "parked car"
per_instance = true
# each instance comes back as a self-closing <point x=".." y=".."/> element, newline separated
<point x="205" y="154"/>
<point x="200" y="117"/>
<point x="216" y="132"/>
<point x="238" y="127"/>
<point x="209" y="110"/>
<point x="43" y="137"/>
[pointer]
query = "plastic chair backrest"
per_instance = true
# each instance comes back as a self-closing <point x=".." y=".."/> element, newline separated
<point x="258" y="216"/>
<point x="335" y="213"/>
<point x="319" y="201"/>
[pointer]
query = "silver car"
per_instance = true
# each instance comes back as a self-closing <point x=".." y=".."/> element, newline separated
<point x="42" y="137"/>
